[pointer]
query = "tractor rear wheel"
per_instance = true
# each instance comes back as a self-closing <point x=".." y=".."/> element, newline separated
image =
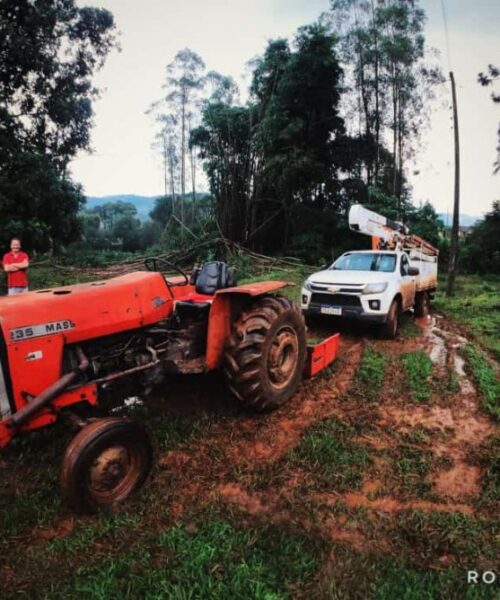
<point x="265" y="356"/>
<point x="104" y="463"/>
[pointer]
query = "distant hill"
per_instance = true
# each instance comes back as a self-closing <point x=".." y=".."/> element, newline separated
<point x="144" y="204"/>
<point x="465" y="220"/>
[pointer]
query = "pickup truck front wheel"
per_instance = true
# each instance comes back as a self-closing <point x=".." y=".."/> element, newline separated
<point x="391" y="326"/>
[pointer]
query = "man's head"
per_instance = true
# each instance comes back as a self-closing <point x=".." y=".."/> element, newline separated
<point x="15" y="245"/>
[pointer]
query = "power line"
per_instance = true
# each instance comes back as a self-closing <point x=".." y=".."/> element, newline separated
<point x="447" y="38"/>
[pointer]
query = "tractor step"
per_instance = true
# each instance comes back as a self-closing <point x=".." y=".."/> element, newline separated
<point x="322" y="354"/>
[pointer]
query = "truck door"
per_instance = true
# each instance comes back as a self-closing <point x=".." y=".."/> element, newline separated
<point x="408" y="284"/>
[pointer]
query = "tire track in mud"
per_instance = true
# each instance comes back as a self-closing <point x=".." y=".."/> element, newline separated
<point x="461" y="422"/>
<point x="249" y="442"/>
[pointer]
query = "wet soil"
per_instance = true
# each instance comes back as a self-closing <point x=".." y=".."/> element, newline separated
<point x="223" y="465"/>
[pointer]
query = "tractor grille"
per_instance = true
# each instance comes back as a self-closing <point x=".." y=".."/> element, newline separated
<point x="336" y="299"/>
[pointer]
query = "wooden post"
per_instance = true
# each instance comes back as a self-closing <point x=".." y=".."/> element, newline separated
<point x="456" y="205"/>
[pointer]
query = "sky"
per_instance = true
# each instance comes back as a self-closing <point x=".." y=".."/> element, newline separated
<point x="228" y="33"/>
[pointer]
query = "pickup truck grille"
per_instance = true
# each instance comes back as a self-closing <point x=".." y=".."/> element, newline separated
<point x="349" y="288"/>
<point x="335" y="299"/>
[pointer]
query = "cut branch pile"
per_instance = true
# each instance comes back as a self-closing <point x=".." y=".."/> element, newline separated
<point x="219" y="248"/>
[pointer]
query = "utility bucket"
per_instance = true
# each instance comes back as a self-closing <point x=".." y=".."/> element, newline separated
<point x="321" y="355"/>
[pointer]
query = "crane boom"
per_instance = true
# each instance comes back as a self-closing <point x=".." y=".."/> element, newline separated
<point x="386" y="233"/>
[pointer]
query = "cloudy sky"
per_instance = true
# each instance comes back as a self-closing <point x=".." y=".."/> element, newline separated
<point x="227" y="33"/>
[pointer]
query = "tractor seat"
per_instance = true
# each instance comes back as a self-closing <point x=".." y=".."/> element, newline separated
<point x="213" y="276"/>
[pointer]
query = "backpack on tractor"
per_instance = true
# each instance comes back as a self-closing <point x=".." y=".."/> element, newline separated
<point x="62" y="349"/>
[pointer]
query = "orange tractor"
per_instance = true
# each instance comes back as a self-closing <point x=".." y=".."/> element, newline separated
<point x="62" y="349"/>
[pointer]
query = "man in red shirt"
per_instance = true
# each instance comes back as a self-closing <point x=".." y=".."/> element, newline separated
<point x="15" y="264"/>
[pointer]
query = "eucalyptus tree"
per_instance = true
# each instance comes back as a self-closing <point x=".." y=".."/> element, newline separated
<point x="383" y="47"/>
<point x="185" y="78"/>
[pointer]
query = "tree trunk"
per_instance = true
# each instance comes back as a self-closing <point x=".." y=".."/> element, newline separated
<point x="183" y="158"/>
<point x="377" y="98"/>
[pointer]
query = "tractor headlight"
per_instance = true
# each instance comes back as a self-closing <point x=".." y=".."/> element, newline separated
<point x="375" y="288"/>
<point x="307" y="285"/>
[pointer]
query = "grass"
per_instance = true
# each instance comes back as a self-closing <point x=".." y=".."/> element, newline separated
<point x="412" y="467"/>
<point x="423" y="536"/>
<point x="485" y="377"/>
<point x="85" y="534"/>
<point x="208" y="558"/>
<point x="488" y="456"/>
<point x="476" y="303"/>
<point x="370" y="373"/>
<point x="418" y="370"/>
<point x="327" y="450"/>
<point x="398" y="580"/>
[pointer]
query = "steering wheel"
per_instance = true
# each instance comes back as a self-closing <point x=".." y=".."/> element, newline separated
<point x="155" y="263"/>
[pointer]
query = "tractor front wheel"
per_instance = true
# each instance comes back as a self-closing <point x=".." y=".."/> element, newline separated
<point x="265" y="356"/>
<point x="104" y="463"/>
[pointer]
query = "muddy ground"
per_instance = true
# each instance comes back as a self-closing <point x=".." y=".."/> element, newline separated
<point x="417" y="458"/>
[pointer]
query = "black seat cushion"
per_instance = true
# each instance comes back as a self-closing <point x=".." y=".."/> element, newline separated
<point x="191" y="310"/>
<point x="214" y="276"/>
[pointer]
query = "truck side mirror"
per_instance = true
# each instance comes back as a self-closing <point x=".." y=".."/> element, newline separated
<point x="413" y="271"/>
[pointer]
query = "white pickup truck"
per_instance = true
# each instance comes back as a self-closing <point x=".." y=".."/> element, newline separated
<point x="375" y="285"/>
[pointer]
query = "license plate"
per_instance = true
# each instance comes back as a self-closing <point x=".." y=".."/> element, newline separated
<point x="331" y="310"/>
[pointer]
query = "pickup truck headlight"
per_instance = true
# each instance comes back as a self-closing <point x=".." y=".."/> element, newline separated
<point x="307" y="286"/>
<point x="375" y="288"/>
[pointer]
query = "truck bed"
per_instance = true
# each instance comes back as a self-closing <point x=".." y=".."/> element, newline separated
<point x="427" y="265"/>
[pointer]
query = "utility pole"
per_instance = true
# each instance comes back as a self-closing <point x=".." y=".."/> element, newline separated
<point x="456" y="205"/>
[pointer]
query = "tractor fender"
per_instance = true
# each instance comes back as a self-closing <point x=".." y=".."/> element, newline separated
<point x="226" y="306"/>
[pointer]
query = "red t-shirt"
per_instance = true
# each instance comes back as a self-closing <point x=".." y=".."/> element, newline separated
<point x="16" y="278"/>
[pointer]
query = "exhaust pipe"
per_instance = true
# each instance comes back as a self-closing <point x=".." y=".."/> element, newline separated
<point x="50" y="393"/>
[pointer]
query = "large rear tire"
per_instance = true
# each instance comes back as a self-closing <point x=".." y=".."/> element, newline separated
<point x="265" y="356"/>
<point x="104" y="463"/>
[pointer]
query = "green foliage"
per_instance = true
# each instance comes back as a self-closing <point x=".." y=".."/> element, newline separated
<point x="476" y="303"/>
<point x="370" y="373"/>
<point x="486" y="378"/>
<point x="480" y="252"/>
<point x="327" y="450"/>
<point x="418" y="369"/>
<point x="49" y="52"/>
<point x="36" y="204"/>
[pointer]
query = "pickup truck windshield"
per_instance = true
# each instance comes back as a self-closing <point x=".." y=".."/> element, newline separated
<point x="366" y="262"/>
